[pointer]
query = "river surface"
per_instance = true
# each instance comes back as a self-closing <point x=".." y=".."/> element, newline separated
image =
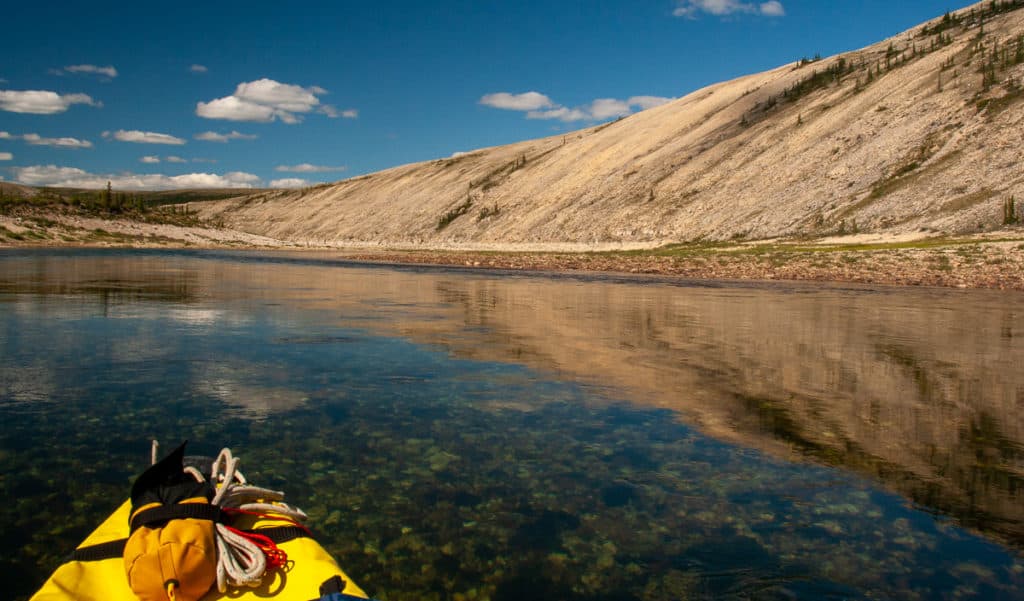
<point x="497" y="436"/>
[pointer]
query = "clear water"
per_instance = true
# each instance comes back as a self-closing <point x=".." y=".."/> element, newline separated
<point x="470" y="436"/>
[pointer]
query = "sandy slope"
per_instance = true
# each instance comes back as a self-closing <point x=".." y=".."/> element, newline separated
<point x="897" y="151"/>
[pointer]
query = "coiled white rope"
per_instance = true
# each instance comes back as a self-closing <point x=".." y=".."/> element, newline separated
<point x="240" y="562"/>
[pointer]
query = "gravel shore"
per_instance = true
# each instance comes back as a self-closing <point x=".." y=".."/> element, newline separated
<point x="994" y="260"/>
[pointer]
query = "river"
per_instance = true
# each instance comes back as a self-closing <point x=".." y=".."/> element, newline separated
<point x="470" y="435"/>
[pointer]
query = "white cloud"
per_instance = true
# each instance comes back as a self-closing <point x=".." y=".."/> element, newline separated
<point x="71" y="177"/>
<point x="143" y="137"/>
<point x="41" y="102"/>
<point x="37" y="140"/>
<point x="153" y="159"/>
<point x="598" y="110"/>
<point x="4" y="135"/>
<point x="212" y="136"/>
<point x="332" y="112"/>
<point x="308" y="168"/>
<point x="691" y="8"/>
<point x="6" y="156"/>
<point x="606" y="108"/>
<point x="648" y="102"/>
<point x="232" y="108"/>
<point x="109" y="71"/>
<point x="527" y="101"/>
<point x="562" y="113"/>
<point x="263" y="100"/>
<point x="289" y="182"/>
<point x="198" y="69"/>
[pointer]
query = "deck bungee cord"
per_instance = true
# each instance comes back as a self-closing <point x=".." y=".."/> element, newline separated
<point x="196" y="529"/>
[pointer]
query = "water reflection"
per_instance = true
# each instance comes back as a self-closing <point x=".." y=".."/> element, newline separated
<point x="921" y="389"/>
<point x="113" y="281"/>
<point x="460" y="471"/>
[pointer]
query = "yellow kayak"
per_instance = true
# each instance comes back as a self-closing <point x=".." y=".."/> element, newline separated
<point x="96" y="570"/>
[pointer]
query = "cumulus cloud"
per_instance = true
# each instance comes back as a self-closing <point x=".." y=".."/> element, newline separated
<point x="527" y="101"/>
<point x="41" y="102"/>
<point x="289" y="182"/>
<point x="264" y="100"/>
<point x="212" y="136"/>
<point x="72" y="177"/>
<point x="108" y="72"/>
<point x="648" y="102"/>
<point x="198" y="68"/>
<point x="561" y="113"/>
<point x="37" y="140"/>
<point x="143" y="137"/>
<point x="6" y="156"/>
<point x="308" y="168"/>
<point x="233" y="108"/>
<point x="153" y="159"/>
<point x="691" y="8"/>
<point x="334" y="113"/>
<point x="539" y="106"/>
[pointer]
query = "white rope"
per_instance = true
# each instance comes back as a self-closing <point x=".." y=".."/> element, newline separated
<point x="239" y="561"/>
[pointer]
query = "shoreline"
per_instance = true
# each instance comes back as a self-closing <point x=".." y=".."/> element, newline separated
<point x="993" y="260"/>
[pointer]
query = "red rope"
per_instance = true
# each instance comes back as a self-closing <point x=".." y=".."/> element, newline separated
<point x="276" y="557"/>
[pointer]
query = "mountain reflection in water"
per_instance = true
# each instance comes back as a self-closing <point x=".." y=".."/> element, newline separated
<point x="922" y="389"/>
<point x="464" y="456"/>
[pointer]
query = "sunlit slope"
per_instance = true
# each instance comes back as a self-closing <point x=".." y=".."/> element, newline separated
<point x="920" y="131"/>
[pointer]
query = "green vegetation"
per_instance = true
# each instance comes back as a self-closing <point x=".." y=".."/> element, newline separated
<point x="971" y="18"/>
<point x="6" y="233"/>
<point x="104" y="201"/>
<point x="488" y="212"/>
<point x="941" y="34"/>
<point x="446" y="219"/>
<point x="162" y="207"/>
<point x="803" y="62"/>
<point x="1010" y="216"/>
<point x="818" y="80"/>
<point x="781" y="250"/>
<point x="948" y="21"/>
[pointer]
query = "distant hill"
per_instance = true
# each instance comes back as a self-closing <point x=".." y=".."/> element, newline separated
<point x="149" y="197"/>
<point x="922" y="131"/>
<point x="18" y="191"/>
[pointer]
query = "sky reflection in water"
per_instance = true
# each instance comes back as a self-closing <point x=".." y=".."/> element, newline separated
<point x="429" y="467"/>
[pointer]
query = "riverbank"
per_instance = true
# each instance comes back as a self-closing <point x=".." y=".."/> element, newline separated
<point x="993" y="260"/>
<point x="974" y="262"/>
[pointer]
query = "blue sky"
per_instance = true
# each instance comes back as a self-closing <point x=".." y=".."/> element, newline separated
<point x="154" y="95"/>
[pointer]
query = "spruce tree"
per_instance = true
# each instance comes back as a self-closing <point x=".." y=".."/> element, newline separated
<point x="107" y="197"/>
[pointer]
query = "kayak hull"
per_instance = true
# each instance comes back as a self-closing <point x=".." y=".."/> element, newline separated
<point x="309" y="566"/>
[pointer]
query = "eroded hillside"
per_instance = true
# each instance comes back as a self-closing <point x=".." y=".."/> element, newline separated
<point x="920" y="132"/>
